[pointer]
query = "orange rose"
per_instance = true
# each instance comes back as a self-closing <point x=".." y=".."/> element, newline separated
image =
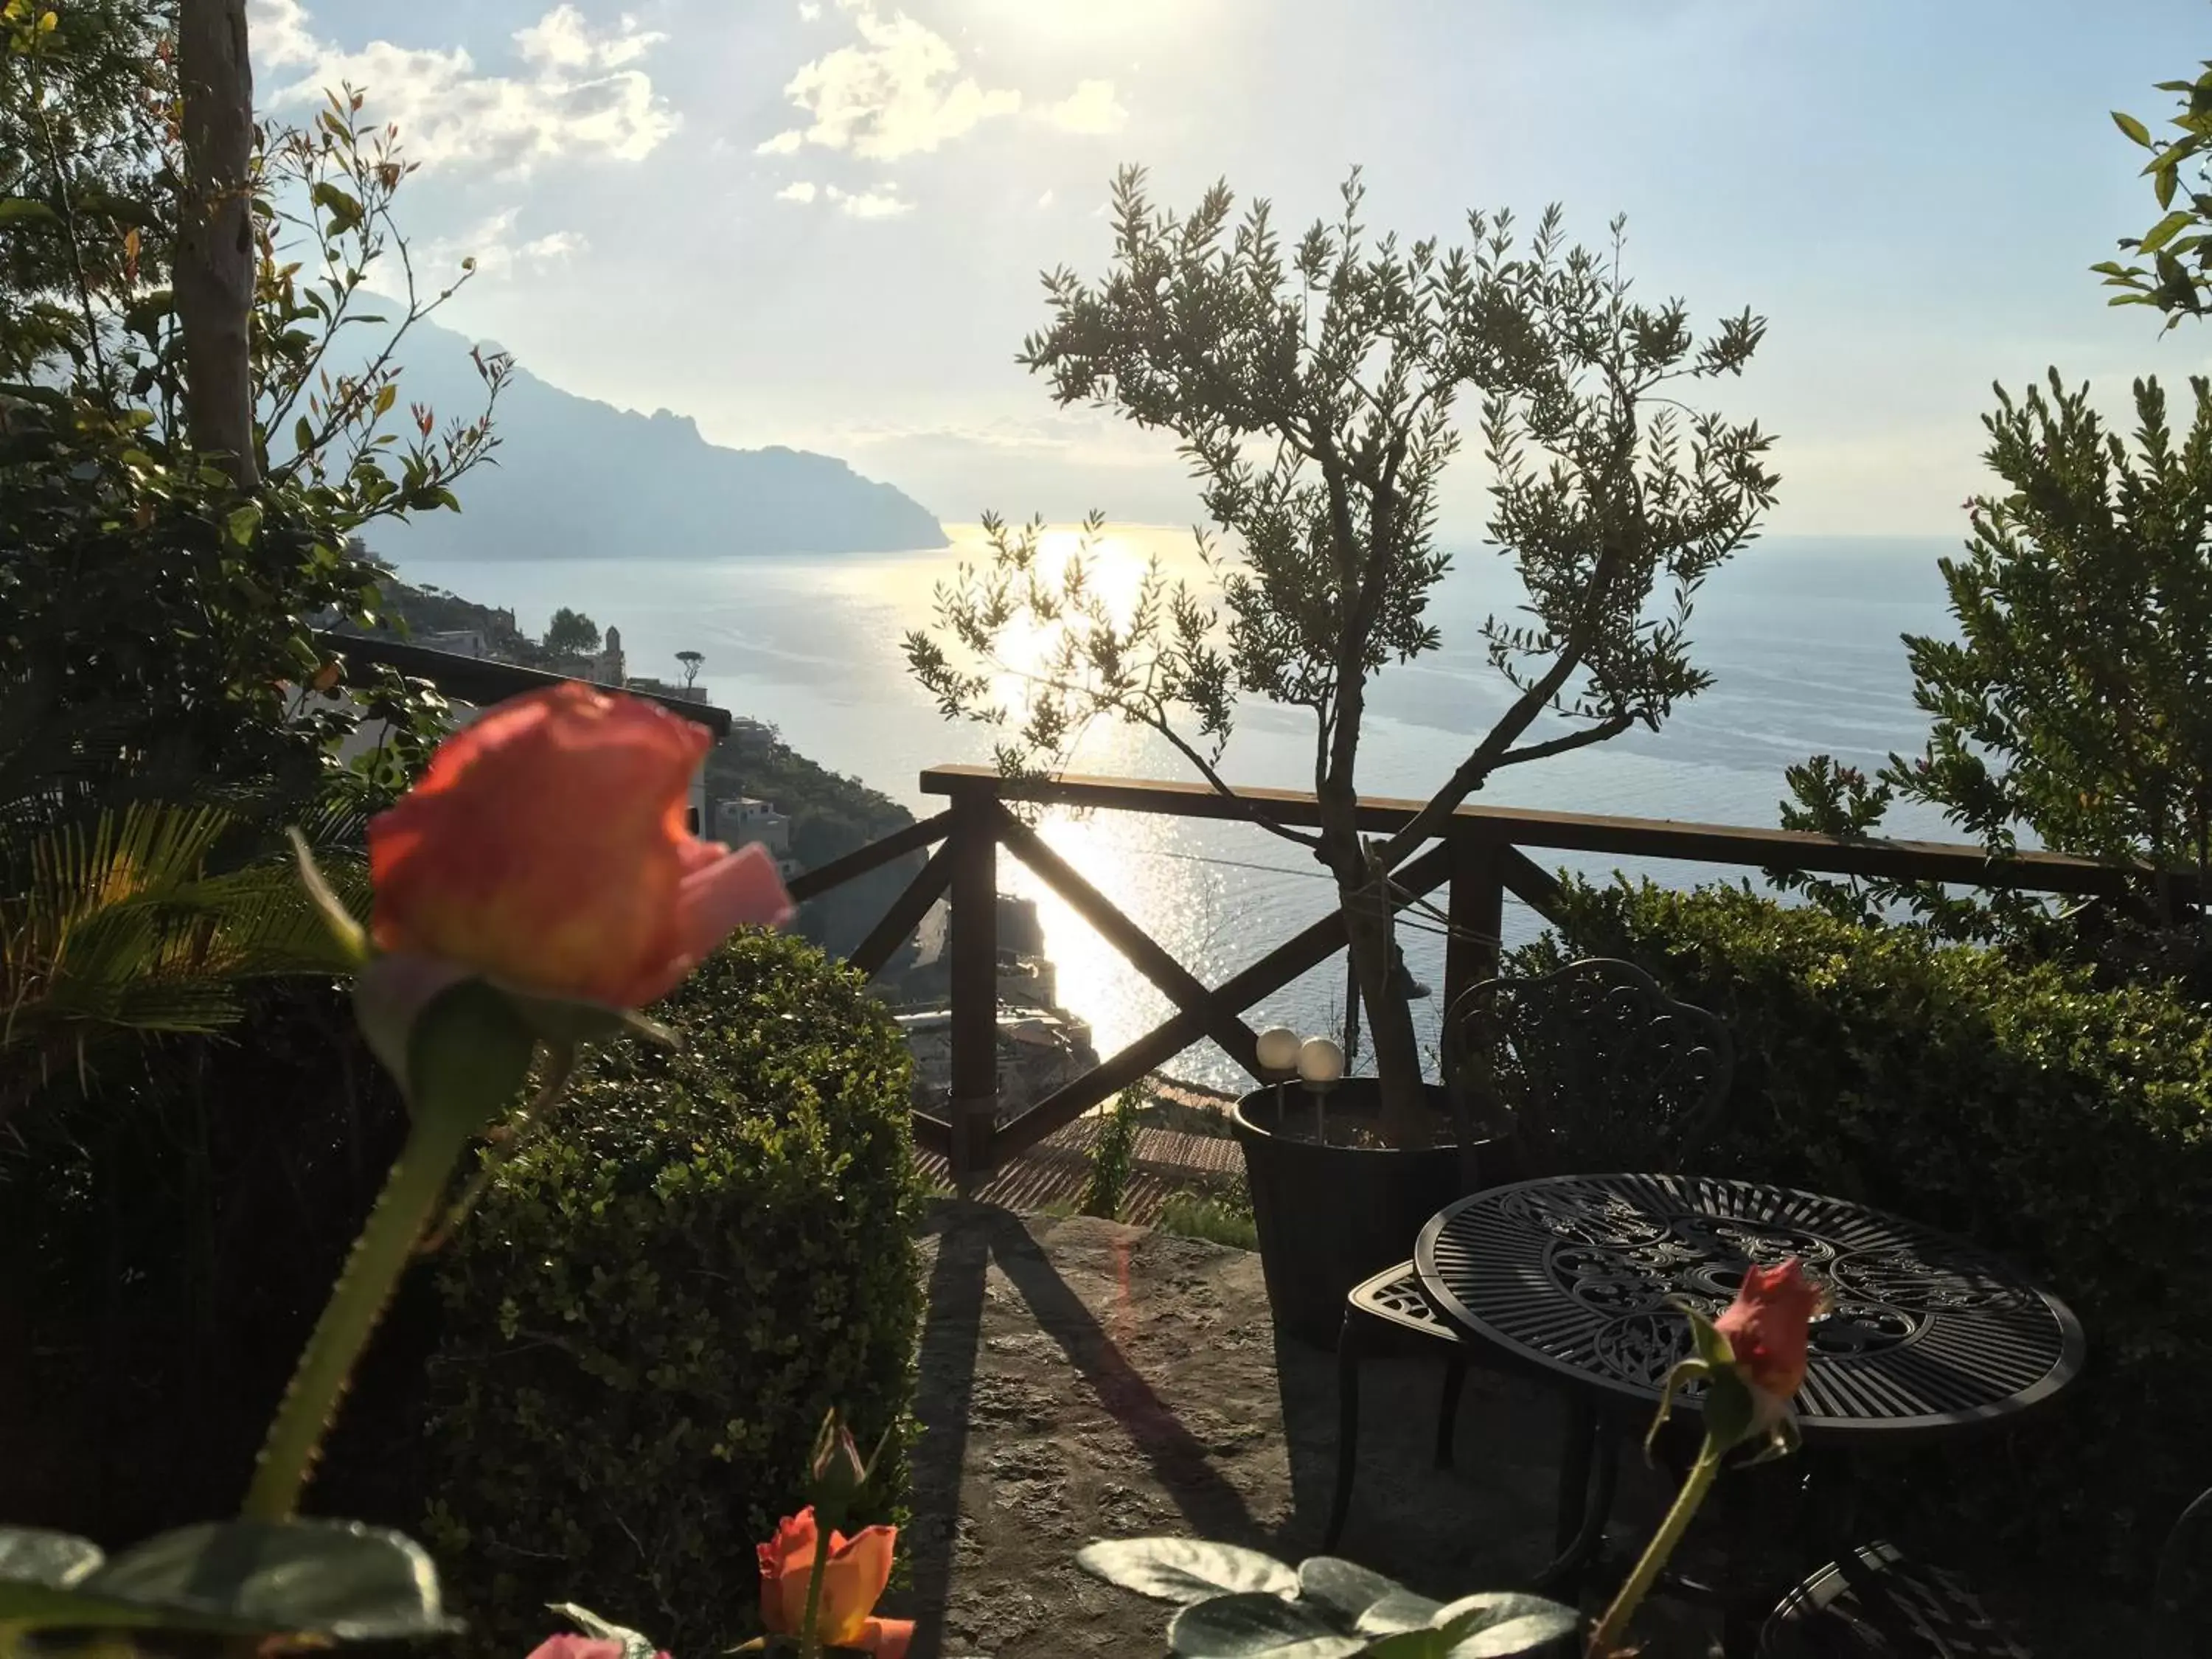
<point x="546" y="848"/>
<point x="1766" y="1327"/>
<point x="858" y="1569"/>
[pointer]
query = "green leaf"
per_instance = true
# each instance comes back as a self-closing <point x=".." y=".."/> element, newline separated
<point x="386" y="395"/>
<point x="1254" y="1623"/>
<point x="1376" y="1605"/>
<point x="32" y="1555"/>
<point x="1422" y="1643"/>
<point x="635" y="1646"/>
<point x="1344" y="1587"/>
<point x="1402" y="1610"/>
<point x="335" y="1579"/>
<point x="1185" y="1569"/>
<point x="2166" y="230"/>
<point x="2162" y="180"/>
<point x="345" y="212"/>
<point x="241" y="523"/>
<point x="2135" y="128"/>
<point x="303" y="435"/>
<point x="1498" y="1623"/>
<point x="22" y="209"/>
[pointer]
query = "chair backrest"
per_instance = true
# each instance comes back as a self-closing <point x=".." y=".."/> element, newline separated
<point x="1588" y="1068"/>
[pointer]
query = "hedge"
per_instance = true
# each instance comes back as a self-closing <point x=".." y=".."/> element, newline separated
<point x="656" y="1301"/>
<point x="2067" y="1126"/>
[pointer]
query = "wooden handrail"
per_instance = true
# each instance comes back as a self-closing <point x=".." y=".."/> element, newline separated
<point x="1482" y="857"/>
<point x="1949" y="862"/>
<point x="812" y="884"/>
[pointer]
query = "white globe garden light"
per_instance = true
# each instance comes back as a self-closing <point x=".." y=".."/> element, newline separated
<point x="1321" y="1060"/>
<point x="1278" y="1049"/>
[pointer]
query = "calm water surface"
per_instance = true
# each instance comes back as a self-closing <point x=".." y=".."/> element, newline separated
<point x="1802" y="636"/>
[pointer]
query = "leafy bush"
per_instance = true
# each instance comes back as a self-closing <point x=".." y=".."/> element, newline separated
<point x="2066" y="1125"/>
<point x="1113" y="1156"/>
<point x="660" y="1296"/>
<point x="1219" y="1218"/>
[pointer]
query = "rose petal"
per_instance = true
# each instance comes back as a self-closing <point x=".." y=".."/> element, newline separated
<point x="577" y="1647"/>
<point x="887" y="1638"/>
<point x="740" y="890"/>
<point x="786" y="1564"/>
<point x="488" y="862"/>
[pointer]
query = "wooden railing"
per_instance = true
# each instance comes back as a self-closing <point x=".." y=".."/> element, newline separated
<point x="1480" y="859"/>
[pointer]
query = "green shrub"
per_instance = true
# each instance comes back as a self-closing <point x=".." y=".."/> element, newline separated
<point x="2068" y="1126"/>
<point x="658" y="1299"/>
<point x="1113" y="1156"/>
<point x="1216" y="1216"/>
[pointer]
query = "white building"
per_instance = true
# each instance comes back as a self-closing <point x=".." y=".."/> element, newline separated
<point x="744" y="822"/>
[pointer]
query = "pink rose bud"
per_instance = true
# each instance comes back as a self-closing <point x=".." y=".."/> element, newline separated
<point x="1767" y="1328"/>
<point x="546" y="848"/>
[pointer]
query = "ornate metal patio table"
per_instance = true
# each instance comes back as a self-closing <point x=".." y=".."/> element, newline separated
<point x="1578" y="1278"/>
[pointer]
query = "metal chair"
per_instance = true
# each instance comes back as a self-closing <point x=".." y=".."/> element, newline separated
<point x="1589" y="1068"/>
<point x="1878" y="1603"/>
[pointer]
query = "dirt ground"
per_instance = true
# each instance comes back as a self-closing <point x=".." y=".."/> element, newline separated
<point x="1082" y="1379"/>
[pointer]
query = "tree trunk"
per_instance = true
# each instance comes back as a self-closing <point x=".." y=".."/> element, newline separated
<point x="215" y="261"/>
<point x="1363" y="892"/>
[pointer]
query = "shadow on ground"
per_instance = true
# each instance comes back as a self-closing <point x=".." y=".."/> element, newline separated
<point x="1081" y="1379"/>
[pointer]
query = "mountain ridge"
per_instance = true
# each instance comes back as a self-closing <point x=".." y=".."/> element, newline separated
<point x="578" y="477"/>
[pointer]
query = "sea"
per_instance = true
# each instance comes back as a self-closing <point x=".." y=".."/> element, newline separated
<point x="1804" y="638"/>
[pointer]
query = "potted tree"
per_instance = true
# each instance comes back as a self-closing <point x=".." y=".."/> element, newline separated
<point x="1315" y="389"/>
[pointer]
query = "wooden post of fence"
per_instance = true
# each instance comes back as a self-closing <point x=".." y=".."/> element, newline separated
<point x="1476" y="907"/>
<point x="973" y="953"/>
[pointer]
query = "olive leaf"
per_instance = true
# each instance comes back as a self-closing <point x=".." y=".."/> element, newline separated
<point x="1186" y="1569"/>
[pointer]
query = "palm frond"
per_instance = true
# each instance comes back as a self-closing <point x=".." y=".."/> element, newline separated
<point x="122" y="928"/>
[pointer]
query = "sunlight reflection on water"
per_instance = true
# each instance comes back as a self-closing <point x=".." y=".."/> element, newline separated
<point x="1802" y="637"/>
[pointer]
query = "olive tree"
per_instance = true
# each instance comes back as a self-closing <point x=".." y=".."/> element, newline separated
<point x="1314" y="387"/>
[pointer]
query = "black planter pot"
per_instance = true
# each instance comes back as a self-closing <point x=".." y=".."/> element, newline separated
<point x="1328" y="1217"/>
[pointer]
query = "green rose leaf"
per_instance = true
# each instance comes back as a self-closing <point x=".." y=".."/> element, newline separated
<point x="334" y="1579"/>
<point x="1186" y="1569"/>
<point x="1500" y="1623"/>
<point x="1254" y="1623"/>
<point x="634" y="1645"/>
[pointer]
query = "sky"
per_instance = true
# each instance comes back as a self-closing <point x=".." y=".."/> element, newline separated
<point x="821" y="223"/>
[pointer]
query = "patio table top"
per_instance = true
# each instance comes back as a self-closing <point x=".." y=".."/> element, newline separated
<point x="1582" y="1277"/>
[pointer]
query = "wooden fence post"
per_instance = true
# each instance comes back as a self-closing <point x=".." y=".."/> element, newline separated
<point x="1476" y="908"/>
<point x="973" y="952"/>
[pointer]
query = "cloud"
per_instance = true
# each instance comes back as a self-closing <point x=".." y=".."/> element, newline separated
<point x="563" y="41"/>
<point x="800" y="190"/>
<point x="279" y="32"/>
<point x="579" y="96"/>
<point x="899" y="92"/>
<point x="868" y="203"/>
<point x="497" y="255"/>
<point x="809" y="10"/>
<point x="1045" y="200"/>
<point x="1091" y="108"/>
<point x="782" y="145"/>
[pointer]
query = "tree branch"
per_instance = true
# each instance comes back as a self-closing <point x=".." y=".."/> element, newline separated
<point x="1612" y="726"/>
